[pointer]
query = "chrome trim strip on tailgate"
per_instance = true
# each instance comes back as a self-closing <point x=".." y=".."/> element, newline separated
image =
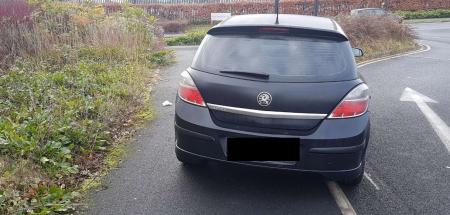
<point x="266" y="114"/>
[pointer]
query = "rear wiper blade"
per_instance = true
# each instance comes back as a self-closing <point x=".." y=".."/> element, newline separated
<point x="251" y="74"/>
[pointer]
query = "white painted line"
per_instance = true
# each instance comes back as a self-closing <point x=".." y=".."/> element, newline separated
<point x="339" y="196"/>
<point x="438" y="37"/>
<point x="341" y="200"/>
<point x="424" y="48"/>
<point x="367" y="176"/>
<point x="431" y="58"/>
<point x="439" y="126"/>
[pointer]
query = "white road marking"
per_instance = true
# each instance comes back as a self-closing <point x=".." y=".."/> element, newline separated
<point x="431" y="29"/>
<point x="339" y="196"/>
<point x="367" y="176"/>
<point x="439" y="126"/>
<point x="439" y="37"/>
<point x="431" y="58"/>
<point x="341" y="200"/>
<point x="424" y="48"/>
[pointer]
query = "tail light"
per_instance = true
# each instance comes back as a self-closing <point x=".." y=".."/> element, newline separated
<point x="188" y="92"/>
<point x="354" y="104"/>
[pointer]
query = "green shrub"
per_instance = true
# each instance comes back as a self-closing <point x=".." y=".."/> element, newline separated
<point x="163" y="57"/>
<point x="425" y="14"/>
<point x="191" y="38"/>
<point x="54" y="118"/>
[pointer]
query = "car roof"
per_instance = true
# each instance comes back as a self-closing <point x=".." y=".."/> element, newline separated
<point x="284" y="20"/>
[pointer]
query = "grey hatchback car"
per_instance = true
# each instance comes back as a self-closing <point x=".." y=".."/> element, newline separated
<point x="281" y="94"/>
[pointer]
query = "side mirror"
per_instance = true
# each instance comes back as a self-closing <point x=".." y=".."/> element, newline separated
<point x="357" y="52"/>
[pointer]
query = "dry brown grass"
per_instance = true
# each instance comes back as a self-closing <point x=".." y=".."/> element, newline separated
<point x="48" y="30"/>
<point x="21" y="40"/>
<point x="378" y="36"/>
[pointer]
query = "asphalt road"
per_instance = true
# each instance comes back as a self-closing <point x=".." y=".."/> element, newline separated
<point x="408" y="164"/>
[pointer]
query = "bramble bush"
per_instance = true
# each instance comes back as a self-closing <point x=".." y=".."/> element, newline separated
<point x="73" y="81"/>
<point x="15" y="10"/>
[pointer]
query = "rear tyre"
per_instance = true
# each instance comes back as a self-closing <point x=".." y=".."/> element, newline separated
<point x="188" y="159"/>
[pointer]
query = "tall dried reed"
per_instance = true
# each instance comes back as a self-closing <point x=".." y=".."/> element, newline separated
<point x="73" y="26"/>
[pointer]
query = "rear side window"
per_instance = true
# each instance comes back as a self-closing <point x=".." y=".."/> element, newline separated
<point x="284" y="58"/>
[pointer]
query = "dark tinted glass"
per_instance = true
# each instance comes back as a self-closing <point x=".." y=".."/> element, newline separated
<point x="283" y="58"/>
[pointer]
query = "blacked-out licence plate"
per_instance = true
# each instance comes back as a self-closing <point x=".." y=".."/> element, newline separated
<point x="263" y="149"/>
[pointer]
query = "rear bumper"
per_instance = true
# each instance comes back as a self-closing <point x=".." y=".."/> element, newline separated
<point x="335" y="146"/>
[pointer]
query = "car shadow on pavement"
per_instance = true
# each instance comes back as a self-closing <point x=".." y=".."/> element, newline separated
<point x="252" y="188"/>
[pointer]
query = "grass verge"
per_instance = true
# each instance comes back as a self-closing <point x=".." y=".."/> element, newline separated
<point x="193" y="37"/>
<point x="75" y="83"/>
<point x="386" y="48"/>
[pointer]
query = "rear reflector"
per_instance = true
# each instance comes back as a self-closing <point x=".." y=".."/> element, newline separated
<point x="354" y="104"/>
<point x="188" y="92"/>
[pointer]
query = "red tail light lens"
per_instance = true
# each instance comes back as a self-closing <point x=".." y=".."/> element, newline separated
<point x="354" y="104"/>
<point x="188" y="92"/>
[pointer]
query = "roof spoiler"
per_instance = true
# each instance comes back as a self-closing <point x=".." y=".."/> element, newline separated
<point x="278" y="30"/>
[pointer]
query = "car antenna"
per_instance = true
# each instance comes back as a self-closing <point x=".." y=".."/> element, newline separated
<point x="277" y="3"/>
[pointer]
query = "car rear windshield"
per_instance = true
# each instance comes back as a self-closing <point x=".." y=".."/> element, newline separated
<point x="283" y="58"/>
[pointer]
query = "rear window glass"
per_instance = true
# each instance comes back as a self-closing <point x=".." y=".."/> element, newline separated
<point x="284" y="58"/>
